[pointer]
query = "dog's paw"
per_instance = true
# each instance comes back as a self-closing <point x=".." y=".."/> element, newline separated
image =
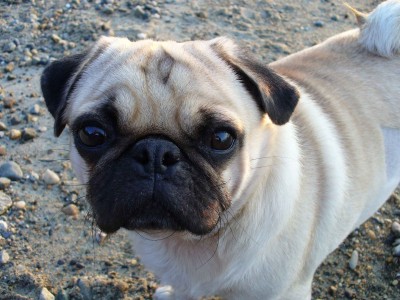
<point x="165" y="292"/>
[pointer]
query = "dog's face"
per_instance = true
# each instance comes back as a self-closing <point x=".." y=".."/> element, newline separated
<point x="162" y="132"/>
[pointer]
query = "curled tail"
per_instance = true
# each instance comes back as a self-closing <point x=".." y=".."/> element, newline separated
<point x="380" y="30"/>
<point x="380" y="33"/>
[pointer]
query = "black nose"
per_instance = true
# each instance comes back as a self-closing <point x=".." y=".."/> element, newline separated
<point x="156" y="155"/>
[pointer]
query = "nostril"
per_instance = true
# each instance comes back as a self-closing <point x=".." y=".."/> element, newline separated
<point x="169" y="159"/>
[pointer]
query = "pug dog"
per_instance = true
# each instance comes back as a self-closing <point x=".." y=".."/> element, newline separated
<point x="233" y="177"/>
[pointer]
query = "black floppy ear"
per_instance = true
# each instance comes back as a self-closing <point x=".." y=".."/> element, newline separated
<point x="273" y="94"/>
<point x="55" y="84"/>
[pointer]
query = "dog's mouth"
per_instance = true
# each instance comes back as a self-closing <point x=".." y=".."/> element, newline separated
<point x="155" y="186"/>
<point x="155" y="216"/>
<point x="143" y="209"/>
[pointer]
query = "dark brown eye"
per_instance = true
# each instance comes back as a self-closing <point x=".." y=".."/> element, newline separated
<point x="221" y="140"/>
<point x="92" y="136"/>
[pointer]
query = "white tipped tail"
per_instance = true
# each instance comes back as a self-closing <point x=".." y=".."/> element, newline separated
<point x="380" y="34"/>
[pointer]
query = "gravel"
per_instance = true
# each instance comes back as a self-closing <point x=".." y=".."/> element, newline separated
<point x="40" y="233"/>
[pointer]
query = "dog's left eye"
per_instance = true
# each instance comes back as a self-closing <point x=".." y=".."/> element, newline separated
<point x="92" y="136"/>
<point x="221" y="140"/>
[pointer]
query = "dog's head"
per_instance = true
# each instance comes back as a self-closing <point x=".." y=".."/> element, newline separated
<point x="161" y="130"/>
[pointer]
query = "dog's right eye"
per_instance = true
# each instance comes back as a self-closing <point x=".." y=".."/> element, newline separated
<point x="92" y="136"/>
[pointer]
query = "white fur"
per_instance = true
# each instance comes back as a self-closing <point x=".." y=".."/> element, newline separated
<point x="295" y="198"/>
<point x="381" y="32"/>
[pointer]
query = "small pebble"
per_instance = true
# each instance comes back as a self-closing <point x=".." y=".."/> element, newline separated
<point x="4" y="257"/>
<point x="9" y="47"/>
<point x="9" y="102"/>
<point x="61" y="295"/>
<point x="141" y="36"/>
<point x="20" y="204"/>
<point x="5" y="203"/>
<point x="140" y="13"/>
<point x="11" y="77"/>
<point x="106" y="26"/>
<point x="201" y="15"/>
<point x="350" y="294"/>
<point x="46" y="295"/>
<point x="353" y="260"/>
<point x="33" y="176"/>
<point x="49" y="177"/>
<point x="4" y="183"/>
<point x="56" y="39"/>
<point x="10" y="67"/>
<point x="396" y="228"/>
<point x="35" y="109"/>
<point x="371" y="234"/>
<point x="396" y="251"/>
<point x="15" y="120"/>
<point x="335" y="18"/>
<point x="11" y="170"/>
<point x="395" y="282"/>
<point x="70" y="210"/>
<point x="85" y="288"/>
<point x="15" y="134"/>
<point x="3" y="127"/>
<point x="3" y="149"/>
<point x="319" y="24"/>
<point x="29" y="134"/>
<point x="122" y="286"/>
<point x="100" y="237"/>
<point x="332" y="290"/>
<point x="108" y="10"/>
<point x="3" y="226"/>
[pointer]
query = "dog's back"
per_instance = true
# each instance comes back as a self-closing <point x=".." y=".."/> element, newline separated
<point x="365" y="64"/>
<point x="352" y="80"/>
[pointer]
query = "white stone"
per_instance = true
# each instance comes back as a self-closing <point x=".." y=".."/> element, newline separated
<point x="46" y="295"/>
<point x="353" y="260"/>
<point x="396" y="228"/>
<point x="3" y="226"/>
<point x="20" y="204"/>
<point x="141" y="36"/>
<point x="4" y="257"/>
<point x="396" y="250"/>
<point x="49" y="177"/>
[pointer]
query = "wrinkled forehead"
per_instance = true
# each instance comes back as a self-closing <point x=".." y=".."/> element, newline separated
<point x="149" y="83"/>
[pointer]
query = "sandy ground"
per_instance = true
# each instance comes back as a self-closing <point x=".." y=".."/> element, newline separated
<point x="47" y="233"/>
